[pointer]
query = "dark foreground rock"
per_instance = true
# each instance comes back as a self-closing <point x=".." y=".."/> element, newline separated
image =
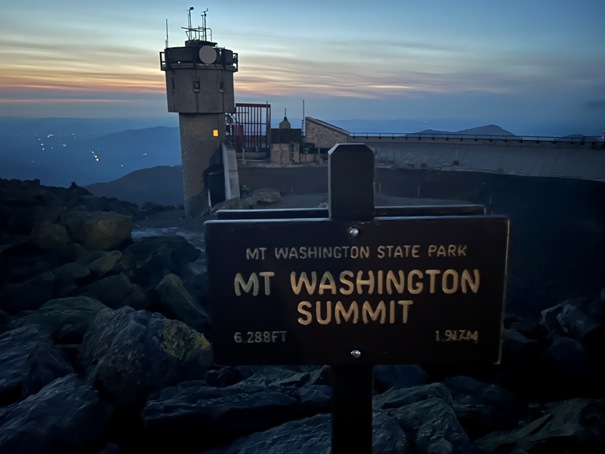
<point x="65" y="416"/>
<point x="104" y="348"/>
<point x="129" y="354"/>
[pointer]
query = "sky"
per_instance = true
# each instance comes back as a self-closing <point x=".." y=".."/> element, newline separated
<point x="530" y="66"/>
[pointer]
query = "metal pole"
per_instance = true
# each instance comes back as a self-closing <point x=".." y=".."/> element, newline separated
<point x="351" y="198"/>
<point x="352" y="389"/>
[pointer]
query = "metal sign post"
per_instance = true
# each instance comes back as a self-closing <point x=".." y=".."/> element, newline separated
<point x="351" y="198"/>
<point x="356" y="285"/>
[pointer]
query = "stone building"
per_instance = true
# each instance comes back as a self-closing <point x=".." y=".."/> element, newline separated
<point x="324" y="135"/>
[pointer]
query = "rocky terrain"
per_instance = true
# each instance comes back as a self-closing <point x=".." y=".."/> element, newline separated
<point x="105" y="346"/>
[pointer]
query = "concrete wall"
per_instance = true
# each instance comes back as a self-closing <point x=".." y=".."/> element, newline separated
<point x="285" y="153"/>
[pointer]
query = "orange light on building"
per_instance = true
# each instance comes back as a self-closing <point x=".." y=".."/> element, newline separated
<point x="215" y="133"/>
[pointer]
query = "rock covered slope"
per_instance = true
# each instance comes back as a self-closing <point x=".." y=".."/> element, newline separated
<point x="105" y="346"/>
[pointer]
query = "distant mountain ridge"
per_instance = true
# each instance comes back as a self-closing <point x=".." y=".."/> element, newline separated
<point x="487" y="130"/>
<point x="161" y="184"/>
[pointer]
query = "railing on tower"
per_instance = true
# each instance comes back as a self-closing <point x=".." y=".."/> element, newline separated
<point x="251" y="129"/>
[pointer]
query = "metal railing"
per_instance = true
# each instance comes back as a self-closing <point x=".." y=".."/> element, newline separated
<point x="475" y="137"/>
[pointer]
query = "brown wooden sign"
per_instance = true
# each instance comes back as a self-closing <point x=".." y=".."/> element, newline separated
<point x="356" y="285"/>
<point x="391" y="289"/>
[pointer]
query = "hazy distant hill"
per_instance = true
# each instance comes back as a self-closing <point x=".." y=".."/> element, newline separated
<point x="487" y="130"/>
<point x="126" y="151"/>
<point x="161" y="184"/>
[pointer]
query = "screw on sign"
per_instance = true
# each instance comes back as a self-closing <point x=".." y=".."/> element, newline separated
<point x="364" y="280"/>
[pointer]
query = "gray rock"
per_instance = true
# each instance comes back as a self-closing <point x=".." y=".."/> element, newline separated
<point x="574" y="425"/>
<point x="29" y="362"/>
<point x="574" y="317"/>
<point x="66" y="320"/>
<point x="313" y="436"/>
<point x="22" y="219"/>
<point x="102" y="263"/>
<point x="285" y="376"/>
<point x="49" y="236"/>
<point x="400" y="397"/>
<point x="305" y="436"/>
<point x="174" y="301"/>
<point x="67" y="277"/>
<point x="130" y="354"/>
<point x="432" y="426"/>
<point x="191" y="410"/>
<point x="116" y="291"/>
<point x="483" y="407"/>
<point x="266" y="196"/>
<point x="150" y="258"/>
<point x="66" y="416"/>
<point x="98" y="230"/>
<point x="517" y="347"/>
<point x="399" y="376"/>
<point x="27" y="295"/>
<point x="313" y="398"/>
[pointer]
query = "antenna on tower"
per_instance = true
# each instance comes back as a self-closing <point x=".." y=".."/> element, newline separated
<point x="302" y="127"/>
<point x="204" y="24"/>
<point x="197" y="33"/>
<point x="166" y="47"/>
<point x="189" y="28"/>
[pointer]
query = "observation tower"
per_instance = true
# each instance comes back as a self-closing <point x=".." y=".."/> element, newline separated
<point x="199" y="86"/>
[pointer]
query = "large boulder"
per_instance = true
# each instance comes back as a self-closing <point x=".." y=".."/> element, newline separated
<point x="66" y="320"/>
<point x="432" y="426"/>
<point x="313" y="436"/>
<point x="116" y="291"/>
<point x="570" y="426"/>
<point x="264" y="196"/>
<point x="483" y="407"/>
<point x="98" y="230"/>
<point x="68" y="277"/>
<point x="574" y="318"/>
<point x="100" y="263"/>
<point x="191" y="410"/>
<point x="129" y="354"/>
<point x="29" y="362"/>
<point x="400" y="397"/>
<point x="66" y="416"/>
<point x="149" y="259"/>
<point x="174" y="301"/>
<point x="47" y="235"/>
<point x="27" y="295"/>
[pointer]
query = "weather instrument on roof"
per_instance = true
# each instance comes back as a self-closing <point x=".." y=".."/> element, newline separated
<point x="207" y="55"/>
